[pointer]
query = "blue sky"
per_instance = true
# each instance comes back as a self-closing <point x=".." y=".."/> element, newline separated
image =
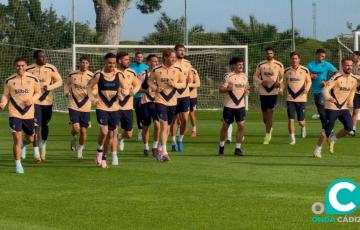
<point x="215" y="15"/>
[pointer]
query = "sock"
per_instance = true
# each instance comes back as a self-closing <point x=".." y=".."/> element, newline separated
<point x="155" y="144"/>
<point x="354" y="127"/>
<point x="267" y="135"/>
<point x="120" y="137"/>
<point x="333" y="138"/>
<point x="164" y="149"/>
<point x="18" y="163"/>
<point x="36" y="151"/>
<point x="174" y="139"/>
<point x="178" y="131"/>
<point x="292" y="136"/>
<point x="222" y="143"/>
<point x="194" y="129"/>
<point x="43" y="142"/>
<point x="146" y="146"/>
<point x="114" y="154"/>
<point x="180" y="139"/>
<point x="100" y="147"/>
<point x="81" y="148"/>
<point x="318" y="148"/>
<point x="229" y="132"/>
<point x="238" y="145"/>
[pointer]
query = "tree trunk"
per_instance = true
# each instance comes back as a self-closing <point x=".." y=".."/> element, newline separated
<point x="109" y="15"/>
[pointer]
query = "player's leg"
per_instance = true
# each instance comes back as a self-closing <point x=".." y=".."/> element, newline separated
<point x="193" y="103"/>
<point x="240" y="120"/>
<point x="184" y="109"/>
<point x="36" y="143"/>
<point x="229" y="134"/>
<point x="228" y="119"/>
<point x="114" y="133"/>
<point x="355" y="114"/>
<point x="291" y="121"/>
<point x="329" y="123"/>
<point x="84" y="125"/>
<point x="126" y="121"/>
<point x="319" y="103"/>
<point x="156" y="131"/>
<point x="75" y="128"/>
<point x="46" y="118"/>
<point x="300" y="112"/>
<point x="173" y="129"/>
<point x="346" y="119"/>
<point x="146" y="122"/>
<point x="102" y="119"/>
<point x="138" y="111"/>
<point x="17" y="136"/>
<point x="268" y="106"/>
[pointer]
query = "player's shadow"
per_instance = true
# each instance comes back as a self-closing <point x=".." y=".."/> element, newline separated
<point x="296" y="164"/>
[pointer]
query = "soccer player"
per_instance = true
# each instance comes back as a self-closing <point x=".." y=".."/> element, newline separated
<point x="319" y="72"/>
<point x="140" y="69"/>
<point x="165" y="80"/>
<point x="148" y="109"/>
<point x="338" y="94"/>
<point x="297" y="83"/>
<point x="50" y="80"/>
<point x="183" y="101"/>
<point x="235" y="88"/>
<point x="107" y="108"/>
<point x="131" y="86"/>
<point x="21" y="90"/>
<point x="193" y="86"/>
<point x="356" y="109"/>
<point x="268" y="76"/>
<point x="75" y="88"/>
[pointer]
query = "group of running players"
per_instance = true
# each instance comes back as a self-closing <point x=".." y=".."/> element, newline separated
<point x="166" y="95"/>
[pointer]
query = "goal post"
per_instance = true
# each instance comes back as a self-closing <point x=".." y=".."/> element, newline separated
<point x="211" y="61"/>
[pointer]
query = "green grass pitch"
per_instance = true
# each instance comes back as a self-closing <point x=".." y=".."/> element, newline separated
<point x="273" y="187"/>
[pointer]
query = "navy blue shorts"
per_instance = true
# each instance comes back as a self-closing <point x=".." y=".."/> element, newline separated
<point x="268" y="102"/>
<point x="18" y="124"/>
<point x="148" y="113"/>
<point x="165" y="113"/>
<point x="229" y="114"/>
<point x="108" y="118"/>
<point x="357" y="101"/>
<point x="183" y="105"/>
<point x="297" y="108"/>
<point x="126" y="119"/>
<point x="331" y="116"/>
<point x="193" y="104"/>
<point x="43" y="114"/>
<point x="81" y="118"/>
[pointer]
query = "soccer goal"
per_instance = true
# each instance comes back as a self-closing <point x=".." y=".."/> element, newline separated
<point x="210" y="61"/>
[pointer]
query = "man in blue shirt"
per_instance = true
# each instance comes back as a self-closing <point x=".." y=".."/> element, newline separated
<point x="320" y="70"/>
<point x="140" y="69"/>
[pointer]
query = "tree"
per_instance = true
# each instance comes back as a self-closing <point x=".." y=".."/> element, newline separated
<point x="109" y="16"/>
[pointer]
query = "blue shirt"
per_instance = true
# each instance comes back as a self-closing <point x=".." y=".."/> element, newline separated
<point x="322" y="70"/>
<point x="138" y="68"/>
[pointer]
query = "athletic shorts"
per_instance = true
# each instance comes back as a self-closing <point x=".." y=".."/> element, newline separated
<point x="331" y="116"/>
<point x="268" y="102"/>
<point x="43" y="114"/>
<point x="296" y="108"/>
<point x="18" y="124"/>
<point x="183" y="105"/>
<point x="165" y="113"/>
<point x="81" y="118"/>
<point x="193" y="104"/>
<point x="230" y="114"/>
<point x="108" y="118"/>
<point x="126" y="119"/>
<point x="148" y="113"/>
<point x="357" y="101"/>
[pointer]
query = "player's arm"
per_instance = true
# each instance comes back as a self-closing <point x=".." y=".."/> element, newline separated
<point x="308" y="83"/>
<point x="225" y="87"/>
<point x="178" y="82"/>
<point x="135" y="86"/>
<point x="332" y="70"/>
<point x="350" y="101"/>
<point x="90" y="87"/>
<point x="196" y="82"/>
<point x="56" y="81"/>
<point x="37" y="92"/>
<point x="67" y="86"/>
<point x="256" y="77"/>
<point x="247" y="87"/>
<point x="326" y="91"/>
<point x="153" y="82"/>
<point x="283" y="84"/>
<point x="5" y="97"/>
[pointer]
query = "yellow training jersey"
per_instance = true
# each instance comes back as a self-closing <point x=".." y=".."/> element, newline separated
<point x="195" y="84"/>
<point x="236" y="98"/>
<point x="48" y="76"/>
<point x="17" y="91"/>
<point x="272" y="72"/>
<point x="297" y="83"/>
<point x="187" y="76"/>
<point x="129" y="87"/>
<point x="169" y="80"/>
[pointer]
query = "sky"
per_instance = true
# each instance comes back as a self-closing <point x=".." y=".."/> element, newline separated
<point x="214" y="15"/>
